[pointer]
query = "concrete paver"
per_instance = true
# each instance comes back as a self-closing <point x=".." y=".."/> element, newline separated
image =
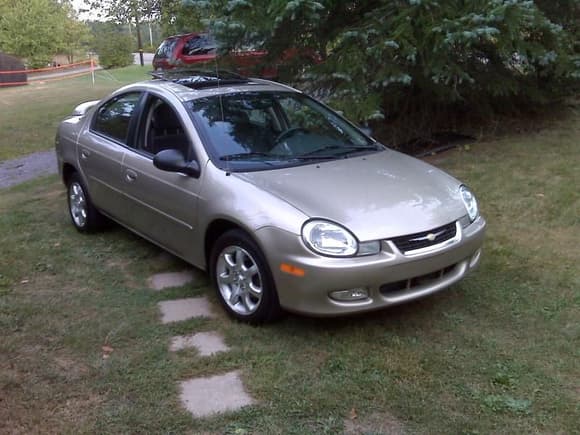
<point x="203" y="397"/>
<point x="161" y="281"/>
<point x="184" y="309"/>
<point x="207" y="343"/>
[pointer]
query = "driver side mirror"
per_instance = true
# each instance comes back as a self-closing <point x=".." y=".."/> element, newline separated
<point x="172" y="160"/>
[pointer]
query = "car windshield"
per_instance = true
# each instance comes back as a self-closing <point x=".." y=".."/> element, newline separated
<point x="262" y="130"/>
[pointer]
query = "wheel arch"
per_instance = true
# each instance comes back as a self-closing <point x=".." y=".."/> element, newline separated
<point x="214" y="230"/>
<point x="67" y="171"/>
<point x="270" y="309"/>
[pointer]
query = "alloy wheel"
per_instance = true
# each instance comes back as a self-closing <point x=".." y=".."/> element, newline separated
<point x="78" y="204"/>
<point x="239" y="280"/>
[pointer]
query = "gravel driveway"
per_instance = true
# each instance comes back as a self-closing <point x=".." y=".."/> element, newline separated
<point x="34" y="165"/>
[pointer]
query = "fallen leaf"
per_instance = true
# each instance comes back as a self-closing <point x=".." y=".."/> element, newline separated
<point x="353" y="414"/>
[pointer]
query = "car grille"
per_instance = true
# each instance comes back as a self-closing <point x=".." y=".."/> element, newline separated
<point x="409" y="284"/>
<point x="421" y="240"/>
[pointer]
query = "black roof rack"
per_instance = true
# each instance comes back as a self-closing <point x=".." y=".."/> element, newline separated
<point x="197" y="79"/>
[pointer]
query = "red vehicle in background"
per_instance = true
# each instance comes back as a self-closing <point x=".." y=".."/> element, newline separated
<point x="201" y="49"/>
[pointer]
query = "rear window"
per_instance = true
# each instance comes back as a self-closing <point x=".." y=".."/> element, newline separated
<point x="201" y="44"/>
<point x="165" y="50"/>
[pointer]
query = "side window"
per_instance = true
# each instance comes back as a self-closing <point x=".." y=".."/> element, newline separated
<point x="114" y="117"/>
<point x="163" y="129"/>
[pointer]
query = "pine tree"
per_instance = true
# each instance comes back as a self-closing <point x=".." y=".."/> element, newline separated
<point x="384" y="58"/>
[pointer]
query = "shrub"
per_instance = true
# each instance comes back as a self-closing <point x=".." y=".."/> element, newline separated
<point x="114" y="48"/>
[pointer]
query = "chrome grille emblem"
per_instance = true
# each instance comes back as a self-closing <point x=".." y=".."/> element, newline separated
<point x="431" y="237"/>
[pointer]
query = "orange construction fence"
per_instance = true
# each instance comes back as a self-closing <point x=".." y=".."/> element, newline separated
<point x="61" y="68"/>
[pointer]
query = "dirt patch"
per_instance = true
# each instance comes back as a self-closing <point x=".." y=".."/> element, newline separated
<point x="376" y="423"/>
<point x="63" y="416"/>
<point x="122" y="268"/>
<point x="30" y="402"/>
<point x="73" y="369"/>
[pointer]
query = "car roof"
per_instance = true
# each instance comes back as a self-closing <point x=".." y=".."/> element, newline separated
<point x="193" y="86"/>
<point x="186" y="35"/>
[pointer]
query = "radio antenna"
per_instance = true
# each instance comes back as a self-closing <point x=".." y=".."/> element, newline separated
<point x="217" y="74"/>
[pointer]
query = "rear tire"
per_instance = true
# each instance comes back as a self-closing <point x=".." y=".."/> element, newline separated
<point x="84" y="215"/>
<point x="243" y="280"/>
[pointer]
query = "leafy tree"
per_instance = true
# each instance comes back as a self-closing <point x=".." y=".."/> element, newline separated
<point x="34" y="29"/>
<point x="78" y="35"/>
<point x="113" y="46"/>
<point x="392" y="58"/>
<point x="178" y="16"/>
<point x="127" y="11"/>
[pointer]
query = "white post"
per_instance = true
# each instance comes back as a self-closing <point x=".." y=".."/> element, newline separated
<point x="93" y="70"/>
<point x="150" y="35"/>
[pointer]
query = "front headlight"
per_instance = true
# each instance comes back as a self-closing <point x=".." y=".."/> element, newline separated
<point x="328" y="238"/>
<point x="470" y="202"/>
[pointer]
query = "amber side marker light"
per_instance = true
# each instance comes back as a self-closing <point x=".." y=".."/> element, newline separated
<point x="292" y="270"/>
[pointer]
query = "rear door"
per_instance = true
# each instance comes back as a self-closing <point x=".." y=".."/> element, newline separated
<point x="164" y="204"/>
<point x="101" y="150"/>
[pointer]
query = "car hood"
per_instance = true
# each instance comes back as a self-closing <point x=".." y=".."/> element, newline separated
<point x="376" y="196"/>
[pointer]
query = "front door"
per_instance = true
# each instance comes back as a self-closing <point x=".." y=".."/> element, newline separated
<point x="164" y="204"/>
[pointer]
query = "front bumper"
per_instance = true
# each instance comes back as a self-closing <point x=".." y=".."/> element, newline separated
<point x="390" y="278"/>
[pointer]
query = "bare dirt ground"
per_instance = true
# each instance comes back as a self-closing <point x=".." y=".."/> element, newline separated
<point x="26" y="168"/>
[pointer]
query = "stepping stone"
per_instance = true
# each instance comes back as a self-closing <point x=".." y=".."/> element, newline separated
<point x="207" y="396"/>
<point x="184" y="309"/>
<point x="162" y="281"/>
<point x="207" y="343"/>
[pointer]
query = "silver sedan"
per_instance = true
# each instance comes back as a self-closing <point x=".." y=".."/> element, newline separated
<point x="286" y="204"/>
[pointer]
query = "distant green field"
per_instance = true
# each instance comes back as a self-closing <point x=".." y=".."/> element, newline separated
<point x="30" y="114"/>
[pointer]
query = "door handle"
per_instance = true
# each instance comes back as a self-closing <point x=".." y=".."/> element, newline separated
<point x="130" y="175"/>
<point x="85" y="154"/>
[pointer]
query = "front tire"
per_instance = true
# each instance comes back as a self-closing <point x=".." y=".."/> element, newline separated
<point x="84" y="215"/>
<point x="242" y="279"/>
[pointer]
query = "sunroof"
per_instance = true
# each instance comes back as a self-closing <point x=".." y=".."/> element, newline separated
<point x="197" y="79"/>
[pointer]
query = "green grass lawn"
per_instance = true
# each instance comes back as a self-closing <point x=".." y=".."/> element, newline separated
<point x="497" y="353"/>
<point x="29" y="115"/>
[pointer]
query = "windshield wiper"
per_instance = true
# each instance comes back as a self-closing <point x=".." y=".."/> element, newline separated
<point x="244" y="156"/>
<point x="360" y="148"/>
<point x="341" y="148"/>
<point x="303" y="157"/>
